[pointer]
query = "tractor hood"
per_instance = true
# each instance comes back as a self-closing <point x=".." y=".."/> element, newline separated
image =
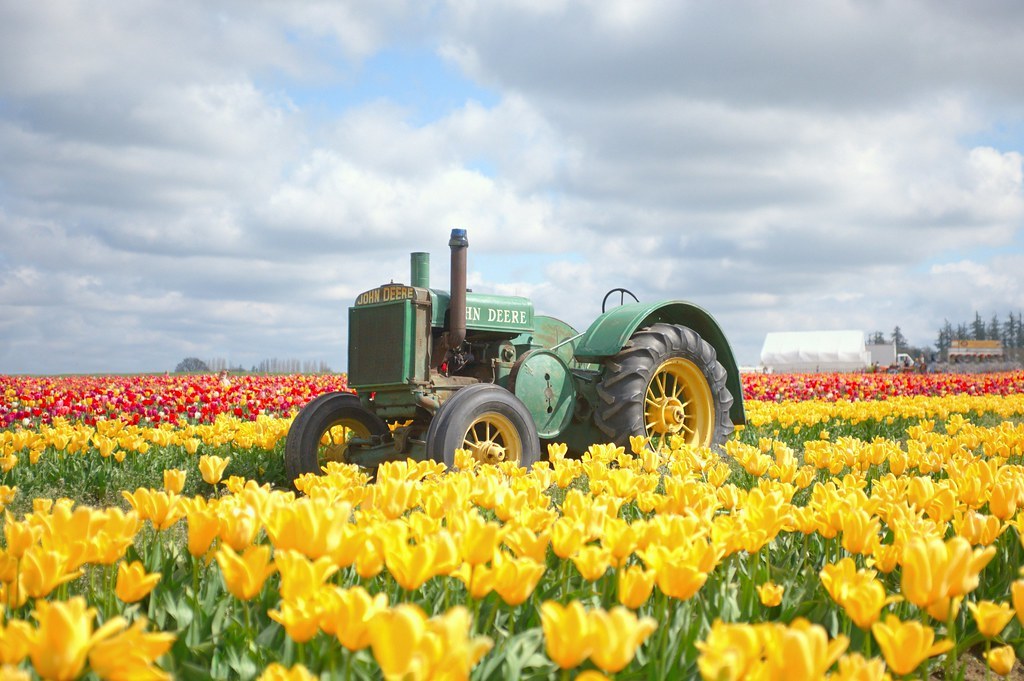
<point x="484" y="312"/>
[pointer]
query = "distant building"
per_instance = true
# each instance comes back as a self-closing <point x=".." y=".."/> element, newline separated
<point x="974" y="351"/>
<point x="812" y="351"/>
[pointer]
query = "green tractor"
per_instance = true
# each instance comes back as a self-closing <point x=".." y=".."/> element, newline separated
<point x="435" y="371"/>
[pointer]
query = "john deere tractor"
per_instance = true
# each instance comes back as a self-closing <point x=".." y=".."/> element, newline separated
<point x="435" y="371"/>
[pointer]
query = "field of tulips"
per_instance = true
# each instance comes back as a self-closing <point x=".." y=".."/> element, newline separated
<point x="859" y="527"/>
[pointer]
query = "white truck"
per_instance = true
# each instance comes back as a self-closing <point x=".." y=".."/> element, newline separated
<point x="885" y="358"/>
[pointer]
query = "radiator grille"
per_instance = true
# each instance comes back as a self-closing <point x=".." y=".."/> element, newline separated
<point x="379" y="344"/>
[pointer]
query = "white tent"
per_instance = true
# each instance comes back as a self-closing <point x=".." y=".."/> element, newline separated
<point x="809" y="351"/>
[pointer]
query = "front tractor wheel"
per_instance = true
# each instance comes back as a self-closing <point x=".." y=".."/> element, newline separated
<point x="666" y="382"/>
<point x="489" y="422"/>
<point x="322" y="430"/>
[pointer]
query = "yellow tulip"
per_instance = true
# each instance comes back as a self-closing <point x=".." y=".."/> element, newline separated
<point x="944" y="608"/>
<point x="860" y="531"/>
<point x="990" y="617"/>
<point x="60" y="644"/>
<point x="592" y="562"/>
<point x="314" y="529"/>
<point x="566" y="471"/>
<point x="905" y="645"/>
<point x="411" y="565"/>
<point x="977" y="528"/>
<point x="14" y="641"/>
<point x="1001" y="659"/>
<point x="212" y="467"/>
<point x="965" y="565"/>
<point x="133" y="584"/>
<point x="567" y="536"/>
<point x="864" y="602"/>
<point x="300" y="576"/>
<point x="479" y="580"/>
<point x="245" y="574"/>
<point x="854" y="667"/>
<point x="1017" y="594"/>
<point x="619" y="537"/>
<point x="675" y="573"/>
<point x="616" y="635"/>
<point x="300" y="618"/>
<point x="478" y="539"/>
<point x="515" y="578"/>
<point x="934" y="570"/>
<point x="163" y="509"/>
<point x="20" y="536"/>
<point x="395" y="637"/>
<point x="174" y="480"/>
<point x="393" y="497"/>
<point x="526" y="543"/>
<point x="369" y="559"/>
<point x="278" y="672"/>
<point x="801" y="651"/>
<point x="42" y="571"/>
<point x="203" y="527"/>
<point x="448" y="648"/>
<point x="635" y="585"/>
<point x="770" y="594"/>
<point x="887" y="557"/>
<point x="729" y="653"/>
<point x="1003" y="501"/>
<point x="130" y="654"/>
<point x="347" y="614"/>
<point x="238" y="525"/>
<point x="567" y="634"/>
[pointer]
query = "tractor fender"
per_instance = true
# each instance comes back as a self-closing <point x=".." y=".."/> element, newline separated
<point x="609" y="332"/>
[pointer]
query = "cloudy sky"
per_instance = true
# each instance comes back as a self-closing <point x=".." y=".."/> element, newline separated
<point x="221" y="178"/>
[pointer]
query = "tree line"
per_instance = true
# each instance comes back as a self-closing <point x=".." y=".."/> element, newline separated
<point x="272" y="365"/>
<point x="1009" y="331"/>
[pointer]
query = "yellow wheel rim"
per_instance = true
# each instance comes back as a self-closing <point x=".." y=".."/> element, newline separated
<point x="492" y="439"/>
<point x="334" y="440"/>
<point x="678" y="402"/>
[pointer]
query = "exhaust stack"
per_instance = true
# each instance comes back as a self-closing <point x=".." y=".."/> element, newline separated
<point x="420" y="269"/>
<point x="457" y="303"/>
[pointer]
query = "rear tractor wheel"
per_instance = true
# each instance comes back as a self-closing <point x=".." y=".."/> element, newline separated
<point x="323" y="429"/>
<point x="489" y="422"/>
<point x="665" y="382"/>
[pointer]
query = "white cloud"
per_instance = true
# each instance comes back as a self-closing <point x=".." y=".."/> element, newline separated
<point x="167" y="189"/>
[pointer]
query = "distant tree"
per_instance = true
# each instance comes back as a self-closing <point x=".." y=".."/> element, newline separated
<point x="992" y="332"/>
<point x="1006" y="331"/>
<point x="899" y="340"/>
<point x="962" y="332"/>
<point x="978" y="327"/>
<point x="877" y="338"/>
<point x="191" y="365"/>
<point x="945" y="338"/>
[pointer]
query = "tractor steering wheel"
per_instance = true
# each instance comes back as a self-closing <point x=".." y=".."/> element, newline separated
<point x="623" y="292"/>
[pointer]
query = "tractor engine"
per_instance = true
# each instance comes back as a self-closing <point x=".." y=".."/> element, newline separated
<point x="410" y="347"/>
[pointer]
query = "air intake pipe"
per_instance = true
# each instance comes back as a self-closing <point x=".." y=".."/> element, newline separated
<point x="457" y="302"/>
